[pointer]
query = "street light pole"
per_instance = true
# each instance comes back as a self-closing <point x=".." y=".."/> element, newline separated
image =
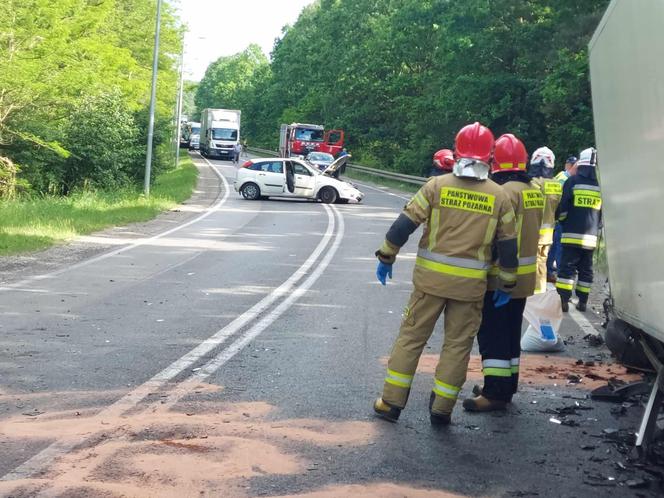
<point x="153" y="98"/>
<point x="179" y="110"/>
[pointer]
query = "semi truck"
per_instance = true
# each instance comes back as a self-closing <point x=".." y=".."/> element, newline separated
<point x="627" y="83"/>
<point x="298" y="139"/>
<point x="220" y="132"/>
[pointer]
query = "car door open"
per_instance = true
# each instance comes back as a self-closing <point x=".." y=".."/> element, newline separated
<point x="304" y="180"/>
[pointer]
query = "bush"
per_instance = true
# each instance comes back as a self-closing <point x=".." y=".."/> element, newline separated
<point x="102" y="137"/>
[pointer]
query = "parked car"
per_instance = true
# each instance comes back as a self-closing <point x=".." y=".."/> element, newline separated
<point x="294" y="178"/>
<point x="194" y="141"/>
<point x="320" y="159"/>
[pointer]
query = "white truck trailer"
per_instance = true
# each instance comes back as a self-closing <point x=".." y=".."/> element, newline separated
<point x="220" y="132"/>
<point x="627" y="80"/>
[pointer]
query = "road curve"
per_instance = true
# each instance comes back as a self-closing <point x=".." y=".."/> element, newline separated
<point x="239" y="356"/>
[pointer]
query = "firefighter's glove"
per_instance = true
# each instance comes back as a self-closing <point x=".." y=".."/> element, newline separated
<point x="501" y="298"/>
<point x="383" y="271"/>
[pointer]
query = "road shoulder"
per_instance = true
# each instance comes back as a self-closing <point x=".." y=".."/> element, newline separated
<point x="18" y="267"/>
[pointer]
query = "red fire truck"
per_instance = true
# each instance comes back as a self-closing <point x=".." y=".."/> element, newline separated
<point x="299" y="139"/>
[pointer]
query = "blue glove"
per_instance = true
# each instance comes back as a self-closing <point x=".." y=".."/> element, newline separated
<point x="383" y="271"/>
<point x="500" y="298"/>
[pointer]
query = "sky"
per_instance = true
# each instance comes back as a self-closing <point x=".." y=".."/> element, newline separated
<point x="221" y="27"/>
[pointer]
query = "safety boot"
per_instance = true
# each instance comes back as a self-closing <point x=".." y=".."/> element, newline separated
<point x="438" y="419"/>
<point x="581" y="306"/>
<point x="482" y="404"/>
<point x="386" y="411"/>
<point x="564" y="304"/>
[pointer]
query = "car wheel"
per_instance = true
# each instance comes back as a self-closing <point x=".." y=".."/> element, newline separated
<point x="251" y="192"/>
<point x="328" y="195"/>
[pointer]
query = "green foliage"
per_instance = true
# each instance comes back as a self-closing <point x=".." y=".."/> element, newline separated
<point x="35" y="223"/>
<point x="188" y="104"/>
<point x="233" y="83"/>
<point x="61" y="58"/>
<point x="402" y="76"/>
<point x="102" y="137"/>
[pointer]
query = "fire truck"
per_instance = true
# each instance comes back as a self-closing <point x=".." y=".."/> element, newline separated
<point x="299" y="139"/>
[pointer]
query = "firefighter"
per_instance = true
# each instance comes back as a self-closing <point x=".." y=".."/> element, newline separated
<point x="541" y="171"/>
<point x="499" y="335"/>
<point x="443" y="162"/>
<point x="464" y="214"/>
<point x="555" y="251"/>
<point x="580" y="217"/>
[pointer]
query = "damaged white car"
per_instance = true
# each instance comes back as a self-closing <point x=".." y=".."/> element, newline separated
<point x="294" y="178"/>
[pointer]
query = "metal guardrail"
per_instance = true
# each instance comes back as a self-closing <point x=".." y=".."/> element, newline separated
<point x="416" y="180"/>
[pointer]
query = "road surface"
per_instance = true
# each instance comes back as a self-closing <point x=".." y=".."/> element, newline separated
<point x="239" y="353"/>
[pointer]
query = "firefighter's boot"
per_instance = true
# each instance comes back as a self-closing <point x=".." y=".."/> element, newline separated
<point x="564" y="304"/>
<point x="385" y="411"/>
<point x="581" y="306"/>
<point x="482" y="404"/>
<point x="438" y="419"/>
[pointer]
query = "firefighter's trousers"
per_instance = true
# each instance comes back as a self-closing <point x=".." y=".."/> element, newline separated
<point x="542" y="256"/>
<point x="499" y="339"/>
<point x="575" y="260"/>
<point x="462" y="320"/>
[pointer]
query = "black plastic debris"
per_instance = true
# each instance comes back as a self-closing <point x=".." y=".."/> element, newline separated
<point x="568" y="409"/>
<point x="593" y="340"/>
<point x="619" y="411"/>
<point x="573" y="379"/>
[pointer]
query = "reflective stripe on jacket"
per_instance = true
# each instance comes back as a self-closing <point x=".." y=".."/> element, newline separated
<point x="552" y="191"/>
<point x="528" y="203"/>
<point x="463" y="219"/>
<point x="580" y="211"/>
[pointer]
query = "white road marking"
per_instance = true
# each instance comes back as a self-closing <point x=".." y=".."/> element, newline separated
<point x="133" y="245"/>
<point x="248" y="336"/>
<point x="41" y="461"/>
<point x="583" y="323"/>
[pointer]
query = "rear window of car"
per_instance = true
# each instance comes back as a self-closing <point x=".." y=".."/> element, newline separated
<point x="268" y="167"/>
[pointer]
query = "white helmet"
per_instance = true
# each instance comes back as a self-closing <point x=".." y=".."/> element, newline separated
<point x="543" y="154"/>
<point x="588" y="157"/>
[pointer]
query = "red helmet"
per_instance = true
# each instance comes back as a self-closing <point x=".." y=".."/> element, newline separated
<point x="444" y="159"/>
<point x="509" y="154"/>
<point x="474" y="141"/>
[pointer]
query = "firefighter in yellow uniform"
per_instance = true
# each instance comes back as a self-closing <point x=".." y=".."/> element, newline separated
<point x="541" y="172"/>
<point x="464" y="215"/>
<point x="499" y="336"/>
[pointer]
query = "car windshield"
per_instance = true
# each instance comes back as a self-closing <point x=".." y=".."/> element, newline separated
<point x="308" y="135"/>
<point x="224" y="134"/>
<point x="195" y="131"/>
<point x="320" y="156"/>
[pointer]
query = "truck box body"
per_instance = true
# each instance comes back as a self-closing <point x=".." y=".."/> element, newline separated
<point x="627" y="79"/>
<point x="220" y="132"/>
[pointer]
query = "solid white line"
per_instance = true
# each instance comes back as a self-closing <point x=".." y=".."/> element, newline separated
<point x="583" y="323"/>
<point x="133" y="245"/>
<point x="44" y="458"/>
<point x="228" y="353"/>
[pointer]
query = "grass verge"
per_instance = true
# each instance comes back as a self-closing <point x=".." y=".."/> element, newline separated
<point x="33" y="224"/>
<point x="384" y="182"/>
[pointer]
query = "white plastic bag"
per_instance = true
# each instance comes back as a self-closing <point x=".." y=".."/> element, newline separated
<point x="544" y="315"/>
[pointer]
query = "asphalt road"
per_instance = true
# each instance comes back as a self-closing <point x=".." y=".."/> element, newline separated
<point x="239" y="355"/>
